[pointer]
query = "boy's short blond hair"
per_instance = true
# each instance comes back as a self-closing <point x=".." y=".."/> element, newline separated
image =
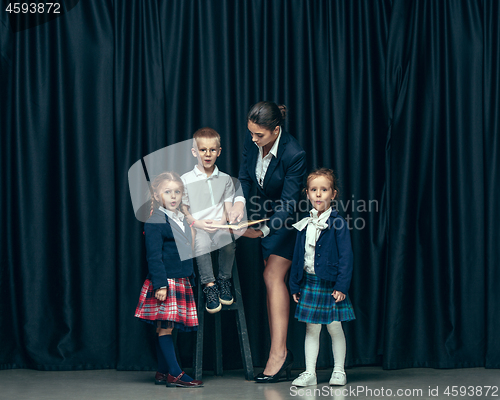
<point x="206" y="133"/>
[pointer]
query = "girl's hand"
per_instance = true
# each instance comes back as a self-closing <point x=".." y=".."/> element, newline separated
<point x="161" y="294"/>
<point x="296" y="297"/>
<point x="236" y="213"/>
<point x="252" y="233"/>
<point x="205" y="224"/>
<point x="338" y="296"/>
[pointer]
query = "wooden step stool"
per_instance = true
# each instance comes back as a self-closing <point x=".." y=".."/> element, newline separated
<point x="241" y="325"/>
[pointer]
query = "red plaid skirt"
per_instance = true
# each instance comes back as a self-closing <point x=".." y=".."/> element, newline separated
<point x="177" y="311"/>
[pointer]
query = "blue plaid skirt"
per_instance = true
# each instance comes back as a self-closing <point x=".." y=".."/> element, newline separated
<point x="317" y="305"/>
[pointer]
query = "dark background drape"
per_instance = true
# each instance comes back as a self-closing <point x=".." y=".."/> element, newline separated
<point x="399" y="97"/>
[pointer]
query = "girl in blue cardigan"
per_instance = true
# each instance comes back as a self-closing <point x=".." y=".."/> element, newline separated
<point x="166" y="298"/>
<point x="321" y="274"/>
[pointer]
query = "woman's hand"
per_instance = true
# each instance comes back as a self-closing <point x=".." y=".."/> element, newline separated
<point x="235" y="214"/>
<point x="161" y="294"/>
<point x="338" y="296"/>
<point x="296" y="297"/>
<point x="205" y="224"/>
<point x="251" y="233"/>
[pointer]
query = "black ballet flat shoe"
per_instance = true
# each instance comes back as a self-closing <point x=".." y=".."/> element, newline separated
<point x="286" y="367"/>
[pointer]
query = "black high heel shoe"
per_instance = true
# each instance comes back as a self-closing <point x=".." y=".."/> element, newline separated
<point x="286" y="367"/>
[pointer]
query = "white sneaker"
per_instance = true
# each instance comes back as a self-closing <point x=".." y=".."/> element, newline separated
<point x="306" y="378"/>
<point x="338" y="378"/>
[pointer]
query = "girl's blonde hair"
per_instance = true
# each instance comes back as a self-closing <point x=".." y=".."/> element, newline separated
<point x="164" y="176"/>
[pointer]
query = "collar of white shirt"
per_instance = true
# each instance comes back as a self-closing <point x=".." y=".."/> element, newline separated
<point x="319" y="221"/>
<point x="197" y="172"/>
<point x="274" y="149"/>
<point x="177" y="215"/>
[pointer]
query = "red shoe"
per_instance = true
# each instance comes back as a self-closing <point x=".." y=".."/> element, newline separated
<point x="172" y="381"/>
<point x="160" y="379"/>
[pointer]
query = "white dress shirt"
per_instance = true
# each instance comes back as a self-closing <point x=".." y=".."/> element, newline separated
<point x="263" y="162"/>
<point x="261" y="169"/>
<point x="205" y="195"/>
<point x="314" y="225"/>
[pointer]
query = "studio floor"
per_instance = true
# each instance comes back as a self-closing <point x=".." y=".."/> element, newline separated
<point x="363" y="383"/>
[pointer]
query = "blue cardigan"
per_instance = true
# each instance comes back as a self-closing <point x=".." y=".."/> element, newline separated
<point x="332" y="258"/>
<point x="168" y="249"/>
<point x="283" y="181"/>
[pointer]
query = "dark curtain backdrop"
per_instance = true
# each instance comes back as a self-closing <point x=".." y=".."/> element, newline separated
<point x="399" y="97"/>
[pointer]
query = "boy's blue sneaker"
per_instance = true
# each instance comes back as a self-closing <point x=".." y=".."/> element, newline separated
<point x="212" y="299"/>
<point x="225" y="295"/>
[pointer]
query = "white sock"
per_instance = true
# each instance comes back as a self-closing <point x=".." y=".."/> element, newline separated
<point x="338" y="345"/>
<point x="311" y="346"/>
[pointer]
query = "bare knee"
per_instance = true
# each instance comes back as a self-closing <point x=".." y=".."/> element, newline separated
<point x="163" y="332"/>
<point x="269" y="276"/>
<point x="276" y="270"/>
<point x="273" y="277"/>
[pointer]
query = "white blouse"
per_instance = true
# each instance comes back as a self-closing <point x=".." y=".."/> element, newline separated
<point x="263" y="162"/>
<point x="314" y="226"/>
<point x="177" y="217"/>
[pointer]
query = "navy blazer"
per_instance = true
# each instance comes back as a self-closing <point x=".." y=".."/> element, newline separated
<point x="168" y="249"/>
<point x="283" y="181"/>
<point x="332" y="258"/>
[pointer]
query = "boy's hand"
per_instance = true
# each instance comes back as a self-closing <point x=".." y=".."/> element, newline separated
<point x="338" y="296"/>
<point x="161" y="294"/>
<point x="296" y="297"/>
<point x="205" y="224"/>
<point x="235" y="214"/>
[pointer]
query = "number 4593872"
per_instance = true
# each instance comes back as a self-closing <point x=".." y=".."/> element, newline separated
<point x="33" y="8"/>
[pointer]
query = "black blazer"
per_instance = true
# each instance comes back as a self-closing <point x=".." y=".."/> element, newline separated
<point x="282" y="184"/>
<point x="168" y="249"/>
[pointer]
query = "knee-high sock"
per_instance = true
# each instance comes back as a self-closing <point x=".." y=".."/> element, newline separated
<point x="168" y="349"/>
<point x="311" y="346"/>
<point x="162" y="363"/>
<point x="338" y="345"/>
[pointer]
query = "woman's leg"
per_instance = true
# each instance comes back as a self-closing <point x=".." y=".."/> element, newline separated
<point x="278" y="308"/>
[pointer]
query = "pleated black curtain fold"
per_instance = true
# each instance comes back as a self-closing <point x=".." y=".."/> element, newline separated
<point x="57" y="187"/>
<point x="399" y="97"/>
<point x="436" y="236"/>
<point x="491" y="168"/>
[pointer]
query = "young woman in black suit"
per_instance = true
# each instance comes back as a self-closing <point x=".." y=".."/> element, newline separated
<point x="275" y="165"/>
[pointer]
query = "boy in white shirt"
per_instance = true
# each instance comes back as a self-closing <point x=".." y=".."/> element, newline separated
<point x="208" y="193"/>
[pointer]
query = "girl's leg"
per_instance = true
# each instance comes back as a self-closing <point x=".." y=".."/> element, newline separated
<point x="278" y="308"/>
<point x="162" y="363"/>
<point x="168" y="349"/>
<point x="338" y="345"/>
<point x="311" y="346"/>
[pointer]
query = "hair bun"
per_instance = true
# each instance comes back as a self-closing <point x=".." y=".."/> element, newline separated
<point x="267" y="114"/>
<point x="283" y="110"/>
